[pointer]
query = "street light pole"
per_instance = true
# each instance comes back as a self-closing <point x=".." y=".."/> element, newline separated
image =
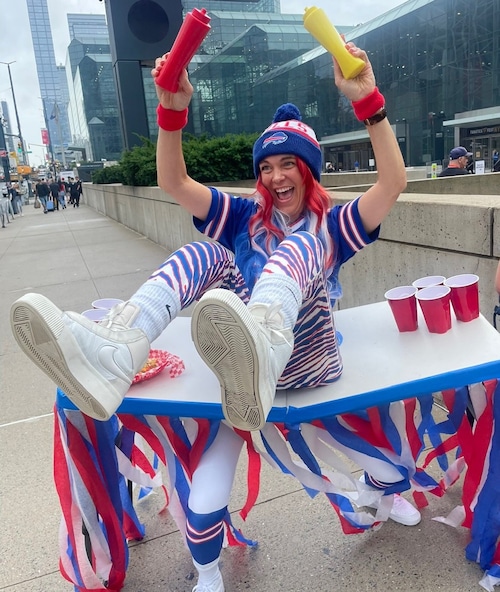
<point x="25" y="156"/>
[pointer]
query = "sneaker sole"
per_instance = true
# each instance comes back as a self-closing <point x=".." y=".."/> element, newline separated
<point x="225" y="344"/>
<point x="40" y="332"/>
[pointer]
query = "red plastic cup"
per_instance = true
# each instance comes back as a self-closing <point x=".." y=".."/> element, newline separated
<point x="404" y="307"/>
<point x="189" y="38"/>
<point x="464" y="296"/>
<point x="435" y="304"/>
<point x="429" y="280"/>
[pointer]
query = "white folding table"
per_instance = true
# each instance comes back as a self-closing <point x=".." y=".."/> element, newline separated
<point x="381" y="366"/>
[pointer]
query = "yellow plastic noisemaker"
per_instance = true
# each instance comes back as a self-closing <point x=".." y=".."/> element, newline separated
<point x="317" y="23"/>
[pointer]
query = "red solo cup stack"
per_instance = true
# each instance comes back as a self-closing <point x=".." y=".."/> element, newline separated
<point x="191" y="34"/>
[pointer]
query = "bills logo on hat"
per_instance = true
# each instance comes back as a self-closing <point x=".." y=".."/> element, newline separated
<point x="275" y="139"/>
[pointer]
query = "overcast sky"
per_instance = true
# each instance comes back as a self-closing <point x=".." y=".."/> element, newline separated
<point x="16" y="45"/>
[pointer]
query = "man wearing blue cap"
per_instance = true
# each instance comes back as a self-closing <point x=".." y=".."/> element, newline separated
<point x="459" y="157"/>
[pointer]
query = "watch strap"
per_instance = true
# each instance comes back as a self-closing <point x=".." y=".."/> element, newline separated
<point x="377" y="118"/>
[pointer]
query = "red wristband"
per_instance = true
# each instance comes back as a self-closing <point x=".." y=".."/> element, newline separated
<point x="369" y="105"/>
<point x="170" y="120"/>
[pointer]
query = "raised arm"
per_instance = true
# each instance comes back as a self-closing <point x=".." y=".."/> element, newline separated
<point x="170" y="164"/>
<point x="376" y="203"/>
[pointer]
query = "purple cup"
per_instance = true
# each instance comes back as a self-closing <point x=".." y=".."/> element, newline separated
<point x="106" y="303"/>
<point x="95" y="314"/>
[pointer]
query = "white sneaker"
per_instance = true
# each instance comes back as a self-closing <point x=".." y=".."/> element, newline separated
<point x="247" y="348"/>
<point x="402" y="511"/>
<point x="216" y="585"/>
<point x="93" y="363"/>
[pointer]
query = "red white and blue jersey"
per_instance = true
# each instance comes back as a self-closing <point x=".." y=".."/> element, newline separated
<point x="228" y="223"/>
<point x="316" y="359"/>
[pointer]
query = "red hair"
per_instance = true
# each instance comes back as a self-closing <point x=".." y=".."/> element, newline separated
<point x="316" y="201"/>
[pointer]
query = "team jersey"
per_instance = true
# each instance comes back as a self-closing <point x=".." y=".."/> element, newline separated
<point x="315" y="359"/>
<point x="228" y="223"/>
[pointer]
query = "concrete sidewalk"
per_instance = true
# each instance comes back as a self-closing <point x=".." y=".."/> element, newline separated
<point x="74" y="256"/>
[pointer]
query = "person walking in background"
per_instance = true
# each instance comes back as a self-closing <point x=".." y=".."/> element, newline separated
<point x="17" y="203"/>
<point x="459" y="159"/>
<point x="10" y="195"/>
<point x="61" y="195"/>
<point x="24" y="191"/>
<point x="495" y="162"/>
<point x="79" y="185"/>
<point x="54" y="193"/>
<point x="74" y="193"/>
<point x="42" y="191"/>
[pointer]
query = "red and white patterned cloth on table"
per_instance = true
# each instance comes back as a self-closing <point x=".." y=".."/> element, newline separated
<point x="158" y="360"/>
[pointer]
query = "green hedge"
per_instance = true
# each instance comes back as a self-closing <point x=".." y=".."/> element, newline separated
<point x="207" y="160"/>
<point x="112" y="174"/>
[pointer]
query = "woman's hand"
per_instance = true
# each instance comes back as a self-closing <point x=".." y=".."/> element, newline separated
<point x="179" y="100"/>
<point x="361" y="86"/>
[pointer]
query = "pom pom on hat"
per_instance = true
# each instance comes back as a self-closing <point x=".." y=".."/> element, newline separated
<point x="286" y="112"/>
<point x="289" y="135"/>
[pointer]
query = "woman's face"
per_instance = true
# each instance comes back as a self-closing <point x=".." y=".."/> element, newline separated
<point x="281" y="177"/>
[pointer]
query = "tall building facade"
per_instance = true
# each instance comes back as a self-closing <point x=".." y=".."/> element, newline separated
<point x="93" y="105"/>
<point x="437" y="62"/>
<point x="87" y="25"/>
<point x="11" y="145"/>
<point x="269" y="6"/>
<point x="246" y="41"/>
<point x="51" y="78"/>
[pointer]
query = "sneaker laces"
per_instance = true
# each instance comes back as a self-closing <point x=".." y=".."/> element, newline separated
<point x="114" y="320"/>
<point x="273" y="321"/>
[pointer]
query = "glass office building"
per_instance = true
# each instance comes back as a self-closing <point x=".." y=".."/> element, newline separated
<point x="228" y="84"/>
<point x="269" y="6"/>
<point x="247" y="41"/>
<point x="93" y="108"/>
<point x="437" y="63"/>
<point x="87" y="25"/>
<point x="10" y="144"/>
<point x="93" y="105"/>
<point x="51" y="78"/>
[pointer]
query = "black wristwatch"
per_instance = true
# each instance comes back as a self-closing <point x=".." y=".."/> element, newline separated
<point x="377" y="118"/>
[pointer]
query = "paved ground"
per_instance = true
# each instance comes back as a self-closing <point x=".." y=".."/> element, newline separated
<point x="75" y="256"/>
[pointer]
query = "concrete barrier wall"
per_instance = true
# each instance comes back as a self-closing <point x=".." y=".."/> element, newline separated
<point x="487" y="184"/>
<point x="423" y="235"/>
<point x="351" y="178"/>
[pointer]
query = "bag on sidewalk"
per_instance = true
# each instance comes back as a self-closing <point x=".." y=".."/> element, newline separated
<point x="37" y="204"/>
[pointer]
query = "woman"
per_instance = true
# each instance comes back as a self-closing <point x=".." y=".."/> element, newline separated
<point x="61" y="195"/>
<point x="265" y="287"/>
<point x="75" y="191"/>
